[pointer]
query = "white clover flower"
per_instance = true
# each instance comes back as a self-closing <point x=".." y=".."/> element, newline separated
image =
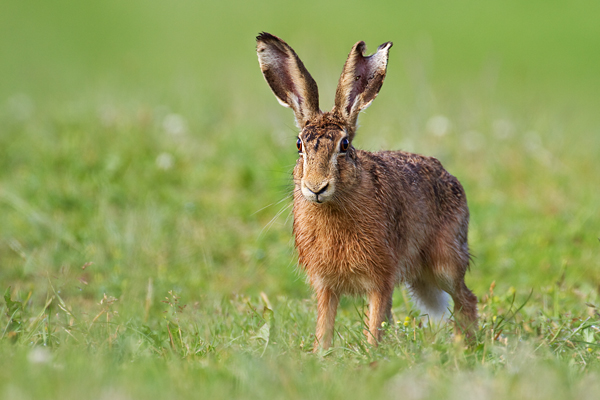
<point x="165" y="161"/>
<point x="439" y="125"/>
<point x="503" y="128"/>
<point x="175" y="125"/>
<point x="39" y="355"/>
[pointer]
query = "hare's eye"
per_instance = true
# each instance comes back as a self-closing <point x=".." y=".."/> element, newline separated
<point x="299" y="145"/>
<point x="344" y="144"/>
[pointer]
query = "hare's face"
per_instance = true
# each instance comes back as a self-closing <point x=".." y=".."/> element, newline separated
<point x="326" y="156"/>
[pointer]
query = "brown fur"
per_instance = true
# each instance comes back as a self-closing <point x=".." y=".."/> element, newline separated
<point x="366" y="222"/>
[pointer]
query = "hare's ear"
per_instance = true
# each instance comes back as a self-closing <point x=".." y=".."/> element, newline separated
<point x="290" y="81"/>
<point x="360" y="81"/>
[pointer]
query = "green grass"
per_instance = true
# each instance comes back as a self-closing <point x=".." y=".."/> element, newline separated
<point x="145" y="229"/>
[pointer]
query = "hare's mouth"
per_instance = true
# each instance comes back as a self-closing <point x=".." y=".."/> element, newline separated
<point x="317" y="193"/>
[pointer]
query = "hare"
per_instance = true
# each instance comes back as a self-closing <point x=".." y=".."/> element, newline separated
<point x="365" y="222"/>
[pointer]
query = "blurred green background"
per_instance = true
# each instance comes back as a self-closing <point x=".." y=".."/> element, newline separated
<point x="140" y="136"/>
<point x="145" y="166"/>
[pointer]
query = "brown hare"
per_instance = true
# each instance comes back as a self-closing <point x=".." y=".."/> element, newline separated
<point x="365" y="222"/>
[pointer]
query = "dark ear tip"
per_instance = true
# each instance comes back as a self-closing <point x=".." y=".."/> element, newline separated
<point x="386" y="45"/>
<point x="267" y="37"/>
<point x="360" y="47"/>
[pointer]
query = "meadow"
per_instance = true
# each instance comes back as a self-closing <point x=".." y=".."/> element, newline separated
<point x="145" y="181"/>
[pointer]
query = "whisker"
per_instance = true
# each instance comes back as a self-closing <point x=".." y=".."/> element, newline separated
<point x="272" y="221"/>
<point x="269" y="205"/>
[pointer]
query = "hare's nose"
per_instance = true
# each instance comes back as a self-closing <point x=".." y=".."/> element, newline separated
<point x="316" y="190"/>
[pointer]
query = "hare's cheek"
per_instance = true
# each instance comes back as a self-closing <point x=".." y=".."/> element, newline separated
<point x="299" y="168"/>
<point x="348" y="172"/>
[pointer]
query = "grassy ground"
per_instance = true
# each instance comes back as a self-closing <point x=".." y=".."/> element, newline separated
<point x="145" y="229"/>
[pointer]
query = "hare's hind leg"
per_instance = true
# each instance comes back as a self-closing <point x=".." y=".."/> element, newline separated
<point x="465" y="306"/>
<point x="451" y="278"/>
<point x="450" y="261"/>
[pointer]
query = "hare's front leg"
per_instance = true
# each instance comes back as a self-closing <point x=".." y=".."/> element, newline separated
<point x="380" y="309"/>
<point x="327" y="303"/>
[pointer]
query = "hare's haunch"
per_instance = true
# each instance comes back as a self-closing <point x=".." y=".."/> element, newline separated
<point x="365" y="222"/>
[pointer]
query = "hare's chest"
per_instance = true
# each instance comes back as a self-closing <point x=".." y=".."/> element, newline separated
<point x="341" y="258"/>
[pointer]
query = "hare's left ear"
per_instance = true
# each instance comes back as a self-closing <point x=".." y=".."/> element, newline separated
<point x="360" y="81"/>
<point x="288" y="78"/>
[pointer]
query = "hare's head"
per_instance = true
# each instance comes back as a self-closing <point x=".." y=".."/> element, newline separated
<point x="327" y="162"/>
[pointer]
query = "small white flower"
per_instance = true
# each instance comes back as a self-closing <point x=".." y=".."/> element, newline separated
<point x="39" y="355"/>
<point x="165" y="161"/>
<point x="503" y="128"/>
<point x="438" y="125"/>
<point x="175" y="125"/>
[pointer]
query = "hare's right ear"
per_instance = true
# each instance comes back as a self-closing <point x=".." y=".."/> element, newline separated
<point x="290" y="81"/>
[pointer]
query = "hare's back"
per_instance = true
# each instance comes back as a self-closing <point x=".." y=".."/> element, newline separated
<point x="414" y="178"/>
